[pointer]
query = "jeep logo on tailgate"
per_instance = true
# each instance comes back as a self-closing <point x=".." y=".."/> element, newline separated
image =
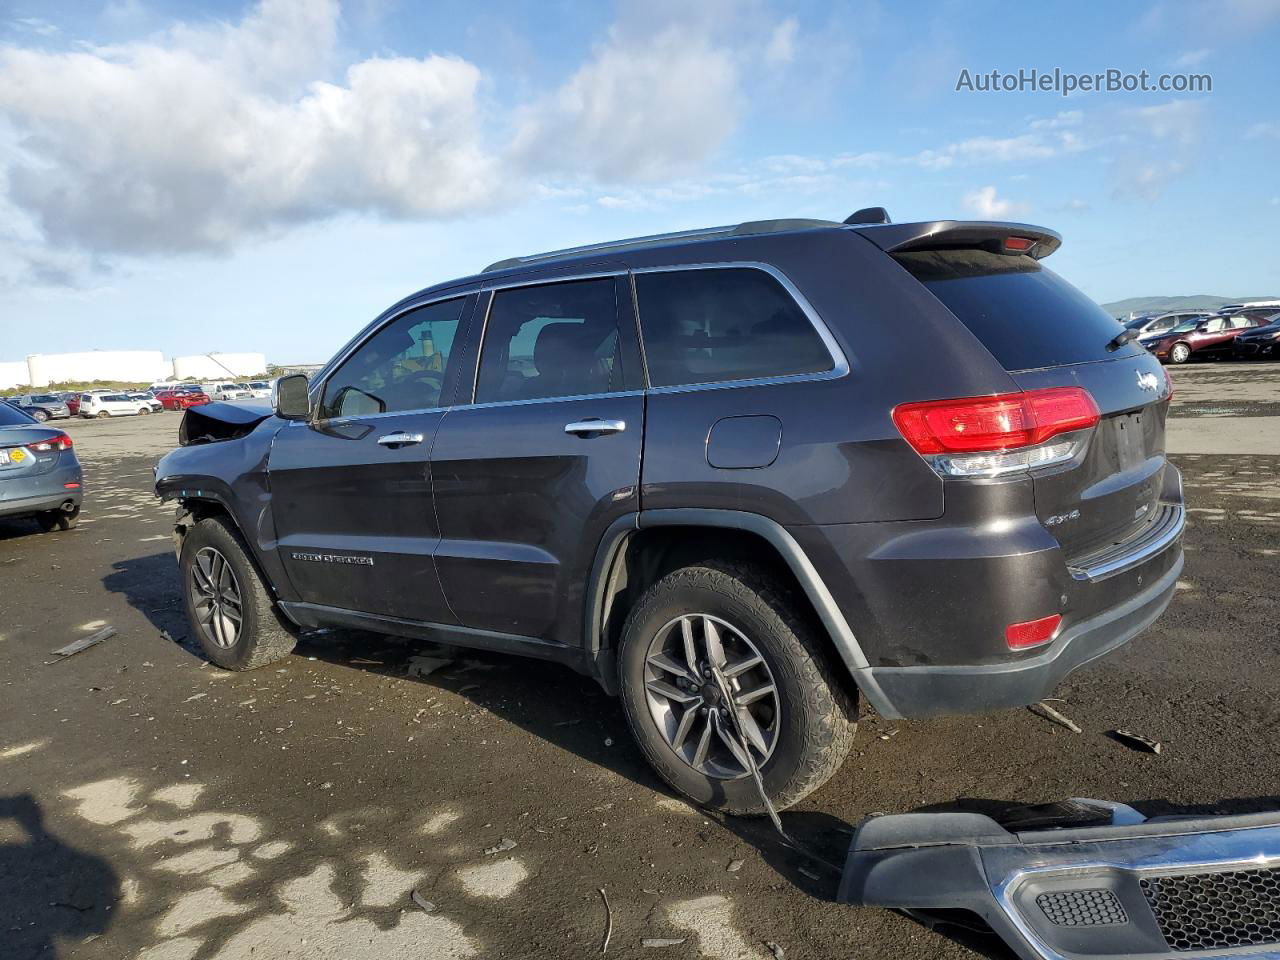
<point x="1148" y="381"/>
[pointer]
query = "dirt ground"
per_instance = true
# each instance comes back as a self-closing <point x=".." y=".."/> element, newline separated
<point x="154" y="807"/>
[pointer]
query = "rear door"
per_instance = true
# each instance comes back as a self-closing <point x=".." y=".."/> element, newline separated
<point x="528" y="477"/>
<point x="1046" y="333"/>
<point x="351" y="489"/>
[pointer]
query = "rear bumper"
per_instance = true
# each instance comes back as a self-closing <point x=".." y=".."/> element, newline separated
<point x="43" y="492"/>
<point x="29" y="505"/>
<point x="935" y="690"/>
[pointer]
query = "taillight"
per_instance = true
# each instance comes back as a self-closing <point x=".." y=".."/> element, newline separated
<point x="60" y="442"/>
<point x="1031" y="633"/>
<point x="1018" y="244"/>
<point x="1168" y="382"/>
<point x="988" y="436"/>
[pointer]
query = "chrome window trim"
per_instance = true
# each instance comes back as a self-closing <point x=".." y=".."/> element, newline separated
<point x="322" y="379"/>
<point x="839" y="362"/>
<point x="524" y="403"/>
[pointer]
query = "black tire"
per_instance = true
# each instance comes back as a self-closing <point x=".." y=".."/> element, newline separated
<point x="264" y="636"/>
<point x="1179" y="353"/>
<point x="143" y="411"/>
<point x="51" y="520"/>
<point x="818" y="718"/>
<point x="104" y="414"/>
<point x="39" y="416"/>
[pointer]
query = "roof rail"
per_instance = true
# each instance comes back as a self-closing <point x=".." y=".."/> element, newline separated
<point x="750" y="228"/>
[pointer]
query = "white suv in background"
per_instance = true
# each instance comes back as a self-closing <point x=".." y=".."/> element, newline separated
<point x="261" y="389"/>
<point x="112" y="405"/>
<point x="228" y="391"/>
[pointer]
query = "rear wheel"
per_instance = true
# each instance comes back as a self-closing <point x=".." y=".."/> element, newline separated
<point x="706" y="631"/>
<point x="227" y="603"/>
<point x="1180" y="353"/>
<point x="103" y="414"/>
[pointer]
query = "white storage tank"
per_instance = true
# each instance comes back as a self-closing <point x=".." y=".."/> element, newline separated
<point x="131" y="365"/>
<point x="219" y="366"/>
<point x="14" y="374"/>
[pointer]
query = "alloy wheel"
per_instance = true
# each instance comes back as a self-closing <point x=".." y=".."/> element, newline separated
<point x="687" y="703"/>
<point x="218" y="605"/>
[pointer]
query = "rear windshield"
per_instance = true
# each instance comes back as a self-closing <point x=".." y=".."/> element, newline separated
<point x="1024" y="313"/>
<point x="11" y="416"/>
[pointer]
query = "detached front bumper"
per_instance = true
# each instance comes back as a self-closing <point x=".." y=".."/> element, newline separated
<point x="1132" y="888"/>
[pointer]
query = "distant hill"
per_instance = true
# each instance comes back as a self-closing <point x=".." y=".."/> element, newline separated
<point x="1199" y="301"/>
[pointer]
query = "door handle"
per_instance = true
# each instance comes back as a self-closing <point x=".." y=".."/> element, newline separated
<point x="400" y="439"/>
<point x="594" y="425"/>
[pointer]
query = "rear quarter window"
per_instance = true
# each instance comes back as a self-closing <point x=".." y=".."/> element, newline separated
<point x="1025" y="314"/>
<point x="726" y="323"/>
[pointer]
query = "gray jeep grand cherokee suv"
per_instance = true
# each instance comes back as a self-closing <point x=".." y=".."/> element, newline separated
<point x="741" y="476"/>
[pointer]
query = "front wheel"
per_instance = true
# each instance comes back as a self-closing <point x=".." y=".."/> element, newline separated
<point x="227" y="603"/>
<point x="1180" y="353"/>
<point x="705" y="631"/>
<point x="143" y="411"/>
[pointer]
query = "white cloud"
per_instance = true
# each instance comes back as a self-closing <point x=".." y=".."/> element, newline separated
<point x="1065" y="118"/>
<point x="781" y="47"/>
<point x="35" y="25"/>
<point x="1176" y="128"/>
<point x="1264" y="130"/>
<point x="985" y="150"/>
<point x="203" y="136"/>
<point x="987" y="206"/>
<point x="1193" y="58"/>
<point x="647" y="105"/>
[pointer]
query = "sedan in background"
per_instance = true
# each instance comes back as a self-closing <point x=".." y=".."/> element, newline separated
<point x="149" y="398"/>
<point x="181" y="398"/>
<point x="1210" y="337"/>
<point x="1260" y="342"/>
<point x="43" y="406"/>
<point x="261" y="389"/>
<point x="39" y="472"/>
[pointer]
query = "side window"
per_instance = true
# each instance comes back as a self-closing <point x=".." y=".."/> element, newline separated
<point x="553" y="340"/>
<point x="1216" y="325"/>
<point x="401" y="367"/>
<point x="730" y="323"/>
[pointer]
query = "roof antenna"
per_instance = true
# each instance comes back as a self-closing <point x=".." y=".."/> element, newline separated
<point x="869" y="215"/>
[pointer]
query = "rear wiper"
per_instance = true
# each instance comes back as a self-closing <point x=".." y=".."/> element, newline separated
<point x="1121" y="338"/>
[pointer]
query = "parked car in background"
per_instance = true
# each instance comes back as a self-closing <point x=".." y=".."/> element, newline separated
<point x="180" y="398"/>
<point x="39" y="472"/>
<point x="704" y="471"/>
<point x="261" y="389"/>
<point x="1154" y="326"/>
<point x="72" y="400"/>
<point x="44" y="406"/>
<point x="228" y="391"/>
<point x="1260" y="342"/>
<point x="112" y="405"/>
<point x="1205" y="338"/>
<point x="149" y="398"/>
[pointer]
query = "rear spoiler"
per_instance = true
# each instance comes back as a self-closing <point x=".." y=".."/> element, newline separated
<point x="953" y="234"/>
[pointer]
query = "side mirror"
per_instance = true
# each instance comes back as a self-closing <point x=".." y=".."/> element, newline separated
<point x="291" y="397"/>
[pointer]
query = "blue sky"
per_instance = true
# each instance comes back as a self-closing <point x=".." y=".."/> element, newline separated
<point x="268" y="176"/>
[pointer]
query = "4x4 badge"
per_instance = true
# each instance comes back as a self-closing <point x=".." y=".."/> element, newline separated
<point x="1148" y="381"/>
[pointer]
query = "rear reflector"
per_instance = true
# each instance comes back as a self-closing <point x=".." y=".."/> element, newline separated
<point x="1003" y="422"/>
<point x="71" y="486"/>
<point x="60" y="442"/>
<point x="1031" y="633"/>
<point x="1018" y="244"/>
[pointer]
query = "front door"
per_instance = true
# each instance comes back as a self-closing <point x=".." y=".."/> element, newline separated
<point x="529" y="476"/>
<point x="351" y="489"/>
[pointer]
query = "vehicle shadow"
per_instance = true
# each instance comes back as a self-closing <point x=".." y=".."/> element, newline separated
<point x="150" y="585"/>
<point x="51" y="891"/>
<point x="572" y="712"/>
<point x="18" y="528"/>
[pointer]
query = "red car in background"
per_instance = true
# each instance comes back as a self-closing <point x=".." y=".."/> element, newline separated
<point x="180" y="398"/>
<point x="1208" y="337"/>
